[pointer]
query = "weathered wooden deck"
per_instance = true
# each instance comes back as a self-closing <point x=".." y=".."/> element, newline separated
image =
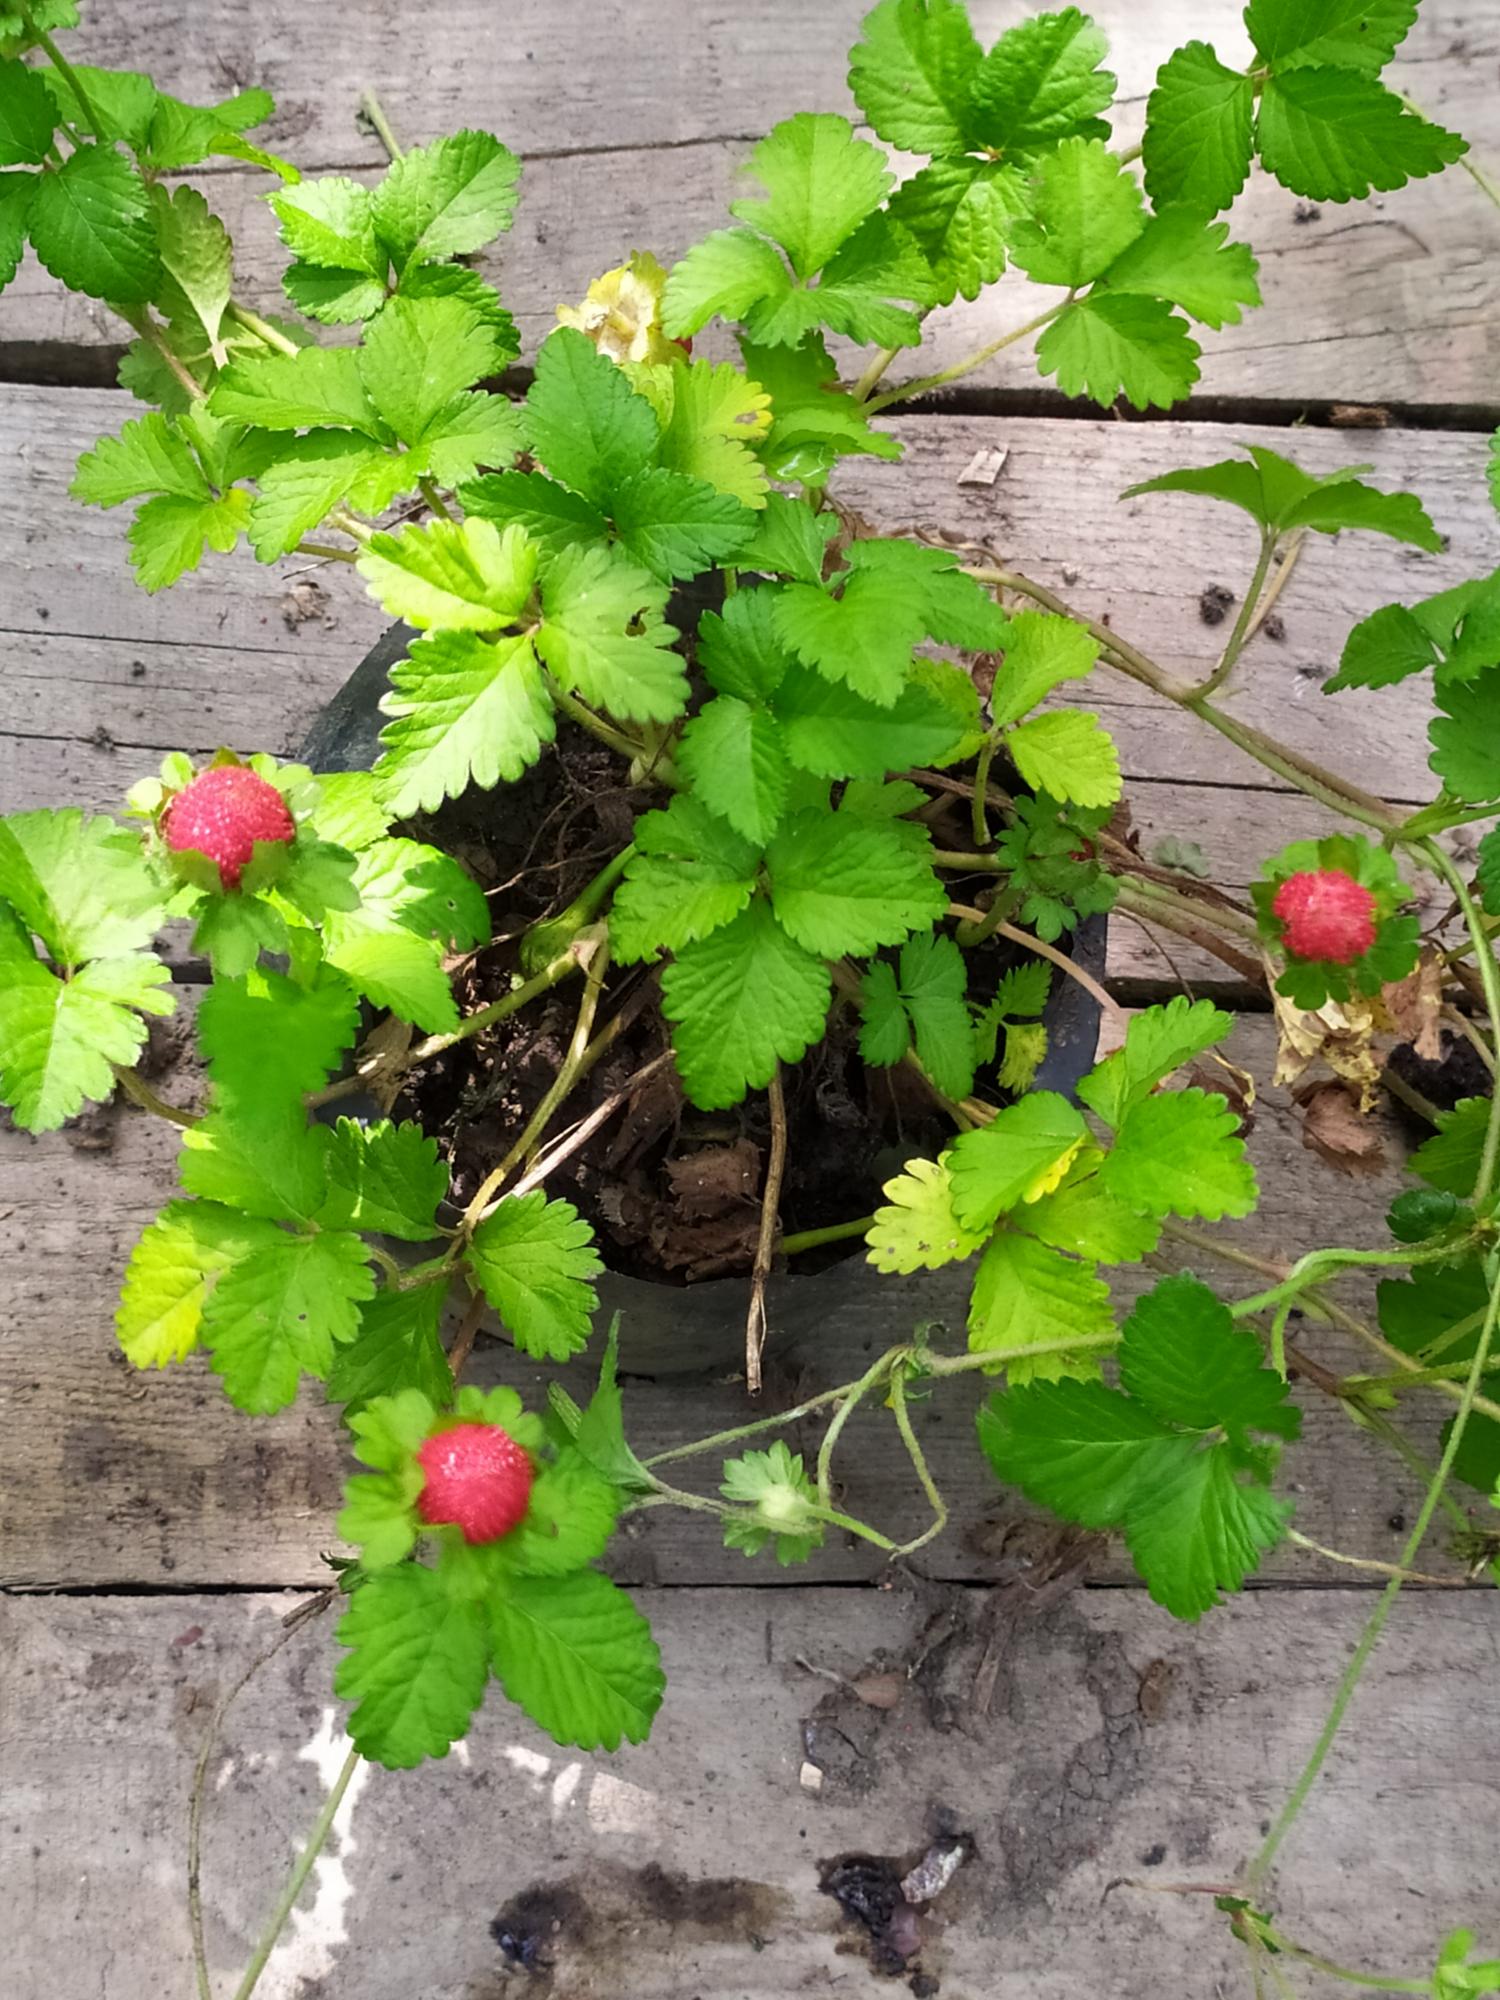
<point x="152" y="1539"/>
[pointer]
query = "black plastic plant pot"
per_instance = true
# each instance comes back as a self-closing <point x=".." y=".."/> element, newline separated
<point x="676" y="1329"/>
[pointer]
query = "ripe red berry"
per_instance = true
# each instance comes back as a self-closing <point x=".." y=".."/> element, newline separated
<point x="1326" y="914"/>
<point x="478" y="1479"/>
<point x="222" y="813"/>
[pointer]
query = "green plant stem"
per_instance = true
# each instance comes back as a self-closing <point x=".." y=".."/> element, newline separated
<point x="263" y="330"/>
<point x="1002" y="905"/>
<point x="1234" y="645"/>
<point x="851" y="1526"/>
<point x="340" y="517"/>
<point x="854" y="1395"/>
<point x="1376" y="1622"/>
<point x="427" y="487"/>
<point x="583" y="909"/>
<point x="66" y="71"/>
<point x="322" y="1826"/>
<point x="585" y="717"/>
<point x="1369" y="1563"/>
<point x="140" y="1092"/>
<point x="756" y="1429"/>
<point x="372" y="109"/>
<point x="870" y="380"/>
<point x="976" y="920"/>
<point x="814" y="1239"/>
<point x="1318" y="1264"/>
<point x="978" y="819"/>
<point x="1489" y="973"/>
<point x="327" y="551"/>
<point x="915" y="1453"/>
<point x="908" y="390"/>
<point x="148" y="330"/>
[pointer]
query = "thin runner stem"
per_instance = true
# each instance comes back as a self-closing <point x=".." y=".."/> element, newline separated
<point x="140" y="1092"/>
<point x="906" y="391"/>
<point x="765" y="1245"/>
<point x="1243" y="626"/>
<point x="316" y="1840"/>
<point x="373" y="110"/>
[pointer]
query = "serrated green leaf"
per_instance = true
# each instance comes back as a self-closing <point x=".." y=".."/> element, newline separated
<point x="289" y="392"/>
<point x="912" y="74"/>
<point x="1199" y="120"/>
<point x="1083" y="1218"/>
<point x="330" y="224"/>
<point x="691" y="874"/>
<point x="821" y="183"/>
<point x="416" y="1667"/>
<point x="1078" y="1448"/>
<point x="677" y="526"/>
<point x="1465" y="744"/>
<point x="735" y="756"/>
<point x="1352" y="34"/>
<point x="280" y="1312"/>
<point x="1105" y="346"/>
<point x="172" y="1270"/>
<point x="1188" y="261"/>
<point x="1158" y="1040"/>
<point x="776" y="1485"/>
<point x="261" y="1158"/>
<point x="604" y="637"/>
<point x="535" y="1261"/>
<point x="1042" y="84"/>
<point x="17" y="192"/>
<point x="725" y="275"/>
<point x="168" y="536"/>
<point x="1450" y="1159"/>
<point x="398" y="1346"/>
<point x="585" y="422"/>
<point x="334" y="298"/>
<point x="1387" y="647"/>
<point x="265" y="1035"/>
<point x="91" y="226"/>
<point x="1086" y="210"/>
<point x="457" y="281"/>
<point x="1184" y="1357"/>
<point x="954" y="608"/>
<point x="1334" y="134"/>
<point x="1041" y="652"/>
<point x="465" y="710"/>
<point x="27" y="116"/>
<point x="80" y="882"/>
<point x="931" y="989"/>
<point x="473" y="432"/>
<point x="1199" y="1531"/>
<point x="1025" y="1052"/>
<point x="1280" y="495"/>
<point x="1177" y="1153"/>
<point x="310" y="475"/>
<point x="741" y="1000"/>
<point x="196" y="260"/>
<point x="1068" y="753"/>
<point x="58" y="1039"/>
<point x="918" y="1230"/>
<point x="454" y="575"/>
<point x="417" y="355"/>
<point x="813" y="422"/>
<point x="738" y="649"/>
<point x="863" y="638"/>
<point x="1027" y="1295"/>
<point x="553" y="518"/>
<point x="446" y="199"/>
<point x="577" y="1656"/>
<point x="413" y="902"/>
<point x="789" y="540"/>
<point x="841" y="883"/>
<point x="960" y="212"/>
<point x="1021" y="1155"/>
<point x="832" y="731"/>
<point x="383" y="1179"/>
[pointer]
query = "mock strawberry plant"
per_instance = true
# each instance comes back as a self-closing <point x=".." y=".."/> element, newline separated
<point x="834" y="820"/>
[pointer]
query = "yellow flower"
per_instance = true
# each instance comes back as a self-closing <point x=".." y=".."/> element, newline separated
<point x="621" y="313"/>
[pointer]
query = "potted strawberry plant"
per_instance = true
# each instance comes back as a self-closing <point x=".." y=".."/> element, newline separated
<point x="829" y="850"/>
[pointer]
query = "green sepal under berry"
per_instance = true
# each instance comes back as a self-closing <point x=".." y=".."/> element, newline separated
<point x="775" y="1487"/>
<point x="1309" y="983"/>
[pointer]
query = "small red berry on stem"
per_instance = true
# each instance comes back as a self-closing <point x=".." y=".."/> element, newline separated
<point x="1326" y="914"/>
<point x="478" y="1479"/>
<point x="222" y="813"/>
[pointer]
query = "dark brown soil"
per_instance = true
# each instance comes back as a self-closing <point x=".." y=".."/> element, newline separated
<point x="672" y="1192"/>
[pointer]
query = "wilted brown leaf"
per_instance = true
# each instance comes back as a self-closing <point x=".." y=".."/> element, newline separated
<point x="1339" y="1034"/>
<point x="1414" y="1004"/>
<point x="1338" y="1131"/>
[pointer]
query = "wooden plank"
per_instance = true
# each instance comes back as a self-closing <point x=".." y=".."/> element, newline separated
<point x="1394" y="299"/>
<point x="1114" y="1745"/>
<point x="121" y="1478"/>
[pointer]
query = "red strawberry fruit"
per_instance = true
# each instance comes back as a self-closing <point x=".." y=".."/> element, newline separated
<point x="478" y="1479"/>
<point x="1326" y="914"/>
<point x="222" y="813"/>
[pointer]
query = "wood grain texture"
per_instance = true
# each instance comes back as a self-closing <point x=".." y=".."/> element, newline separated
<point x="1114" y="1744"/>
<point x="636" y="124"/>
<point x="120" y="1478"/>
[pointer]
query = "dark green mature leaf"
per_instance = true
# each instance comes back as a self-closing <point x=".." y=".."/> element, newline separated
<point x="691" y="874"/>
<point x="1383" y="649"/>
<point x="1280" y="495"/>
<point x="1187" y="1360"/>
<point x="1351" y="34"/>
<point x="416" y="1665"/>
<point x="841" y="883"/>
<point x="926" y="1001"/>
<point x="1199" y="120"/>
<point x="677" y="526"/>
<point x="1042" y="84"/>
<point x="1466" y="738"/>
<point x="912" y="74"/>
<point x="27" y="116"/>
<point x="740" y="1000"/>
<point x="1333" y="135"/>
<point x="577" y="1656"/>
<point x="1450" y="1159"/>
<point x="91" y="226"/>
<point x="266" y="1036"/>
<point x="814" y="422"/>
<point x="736" y="757"/>
<point x="568" y="1522"/>
<point x="586" y="424"/>
<point x="398" y="1346"/>
<point x="17" y="191"/>
<point x="535" y="1261"/>
<point x="832" y="731"/>
<point x="384" y="1179"/>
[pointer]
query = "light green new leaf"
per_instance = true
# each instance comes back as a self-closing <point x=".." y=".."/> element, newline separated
<point x="1106" y="345"/>
<point x="1199" y="120"/>
<point x="1177" y="1153"/>
<point x="604" y="636"/>
<point x="1041" y="652"/>
<point x="464" y="710"/>
<point x="735" y="756"/>
<point x="58" y="1039"/>
<point x="91" y="226"/>
<point x="584" y="421"/>
<point x="959" y="212"/>
<point x="383" y="1179"/>
<point x="447" y="199"/>
<point x="148" y="456"/>
<point x="821" y="183"/>
<point x="1158" y="1041"/>
<point x="535" y="1262"/>
<point x="168" y="536"/>
<point x="172" y="1269"/>
<point x="417" y="355"/>
<point x="1041" y="83"/>
<point x="1280" y="495"/>
<point x="456" y="575"/>
<point x="474" y="431"/>
<point x="330" y="224"/>
<point x="843" y="883"/>
<point x="267" y="1036"/>
<point x="690" y="874"/>
<point x="1021" y="1155"/>
<point x="1087" y="209"/>
<point x="912" y="74"/>
<point x="310" y="474"/>
<point x="1190" y="262"/>
<point x="918" y="1230"/>
<point x="1027" y="1295"/>
<point x="725" y="275"/>
<point x="711" y="416"/>
<point x="197" y="261"/>
<point x="1333" y="135"/>
<point x="80" y="882"/>
<point x="741" y="1000"/>
<point x="1083" y="1218"/>
<point x="260" y="1157"/>
<point x="280" y="1312"/>
<point x="1068" y="754"/>
<point x="290" y="392"/>
<point x="399" y="1346"/>
<point x="575" y="1654"/>
<point x="416" y="1667"/>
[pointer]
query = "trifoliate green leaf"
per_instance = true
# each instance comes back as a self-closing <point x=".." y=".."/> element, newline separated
<point x="585" y="422"/>
<point x="740" y="1000"/>
<point x="91" y="226"/>
<point x="1027" y="1295"/>
<point x="1083" y="1218"/>
<point x="735" y="756"/>
<point x="918" y="1230"/>
<point x="1069" y="754"/>
<point x="447" y="199"/>
<point x="821" y="183"/>
<point x="384" y="1179"/>
<point x="775" y="1483"/>
<point x="416" y="1667"/>
<point x="58" y="1038"/>
<point x="456" y="281"/>
<point x="330" y="223"/>
<point x="1188" y="261"/>
<point x="1280" y="495"/>
<point x="417" y="355"/>
<point x="813" y="421"/>
<point x="554" y="519"/>
<point x="1158" y="1041"/>
<point x="280" y="1312"/>
<point x="842" y="883"/>
<point x="148" y="456"/>
<point x="1041" y="83"/>
<point x="535" y="1259"/>
<point x="577" y="1656"/>
<point x="1087" y="209"/>
<point x="954" y="608"/>
<point x="398" y="1346"/>
<point x="863" y="638"/>
<point x="568" y="1521"/>
<point x="27" y="116"/>
<point x="1041" y="652"/>
<point x="168" y="536"/>
<point x="604" y="637"/>
<point x="334" y="298"/>
<point x="1022" y="992"/>
<point x="456" y="575"/>
<point x="1450" y="1159"/>
<point x="929" y="991"/>
<point x="1288" y="34"/>
<point x="959" y="213"/>
<point x="677" y="526"/>
<point x="465" y="710"/>
<point x="1021" y="1155"/>
<point x="80" y="882"/>
<point x="1104" y="346"/>
<point x="1465" y="747"/>
<point x="289" y="392"/>
<point x="1187" y="1360"/>
<point x="912" y="74"/>
<point x="1333" y="135"/>
<point x="691" y="873"/>
<point x="310" y="475"/>
<point x="1199" y="120"/>
<point x="1177" y="1153"/>
<point x="172" y="1270"/>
